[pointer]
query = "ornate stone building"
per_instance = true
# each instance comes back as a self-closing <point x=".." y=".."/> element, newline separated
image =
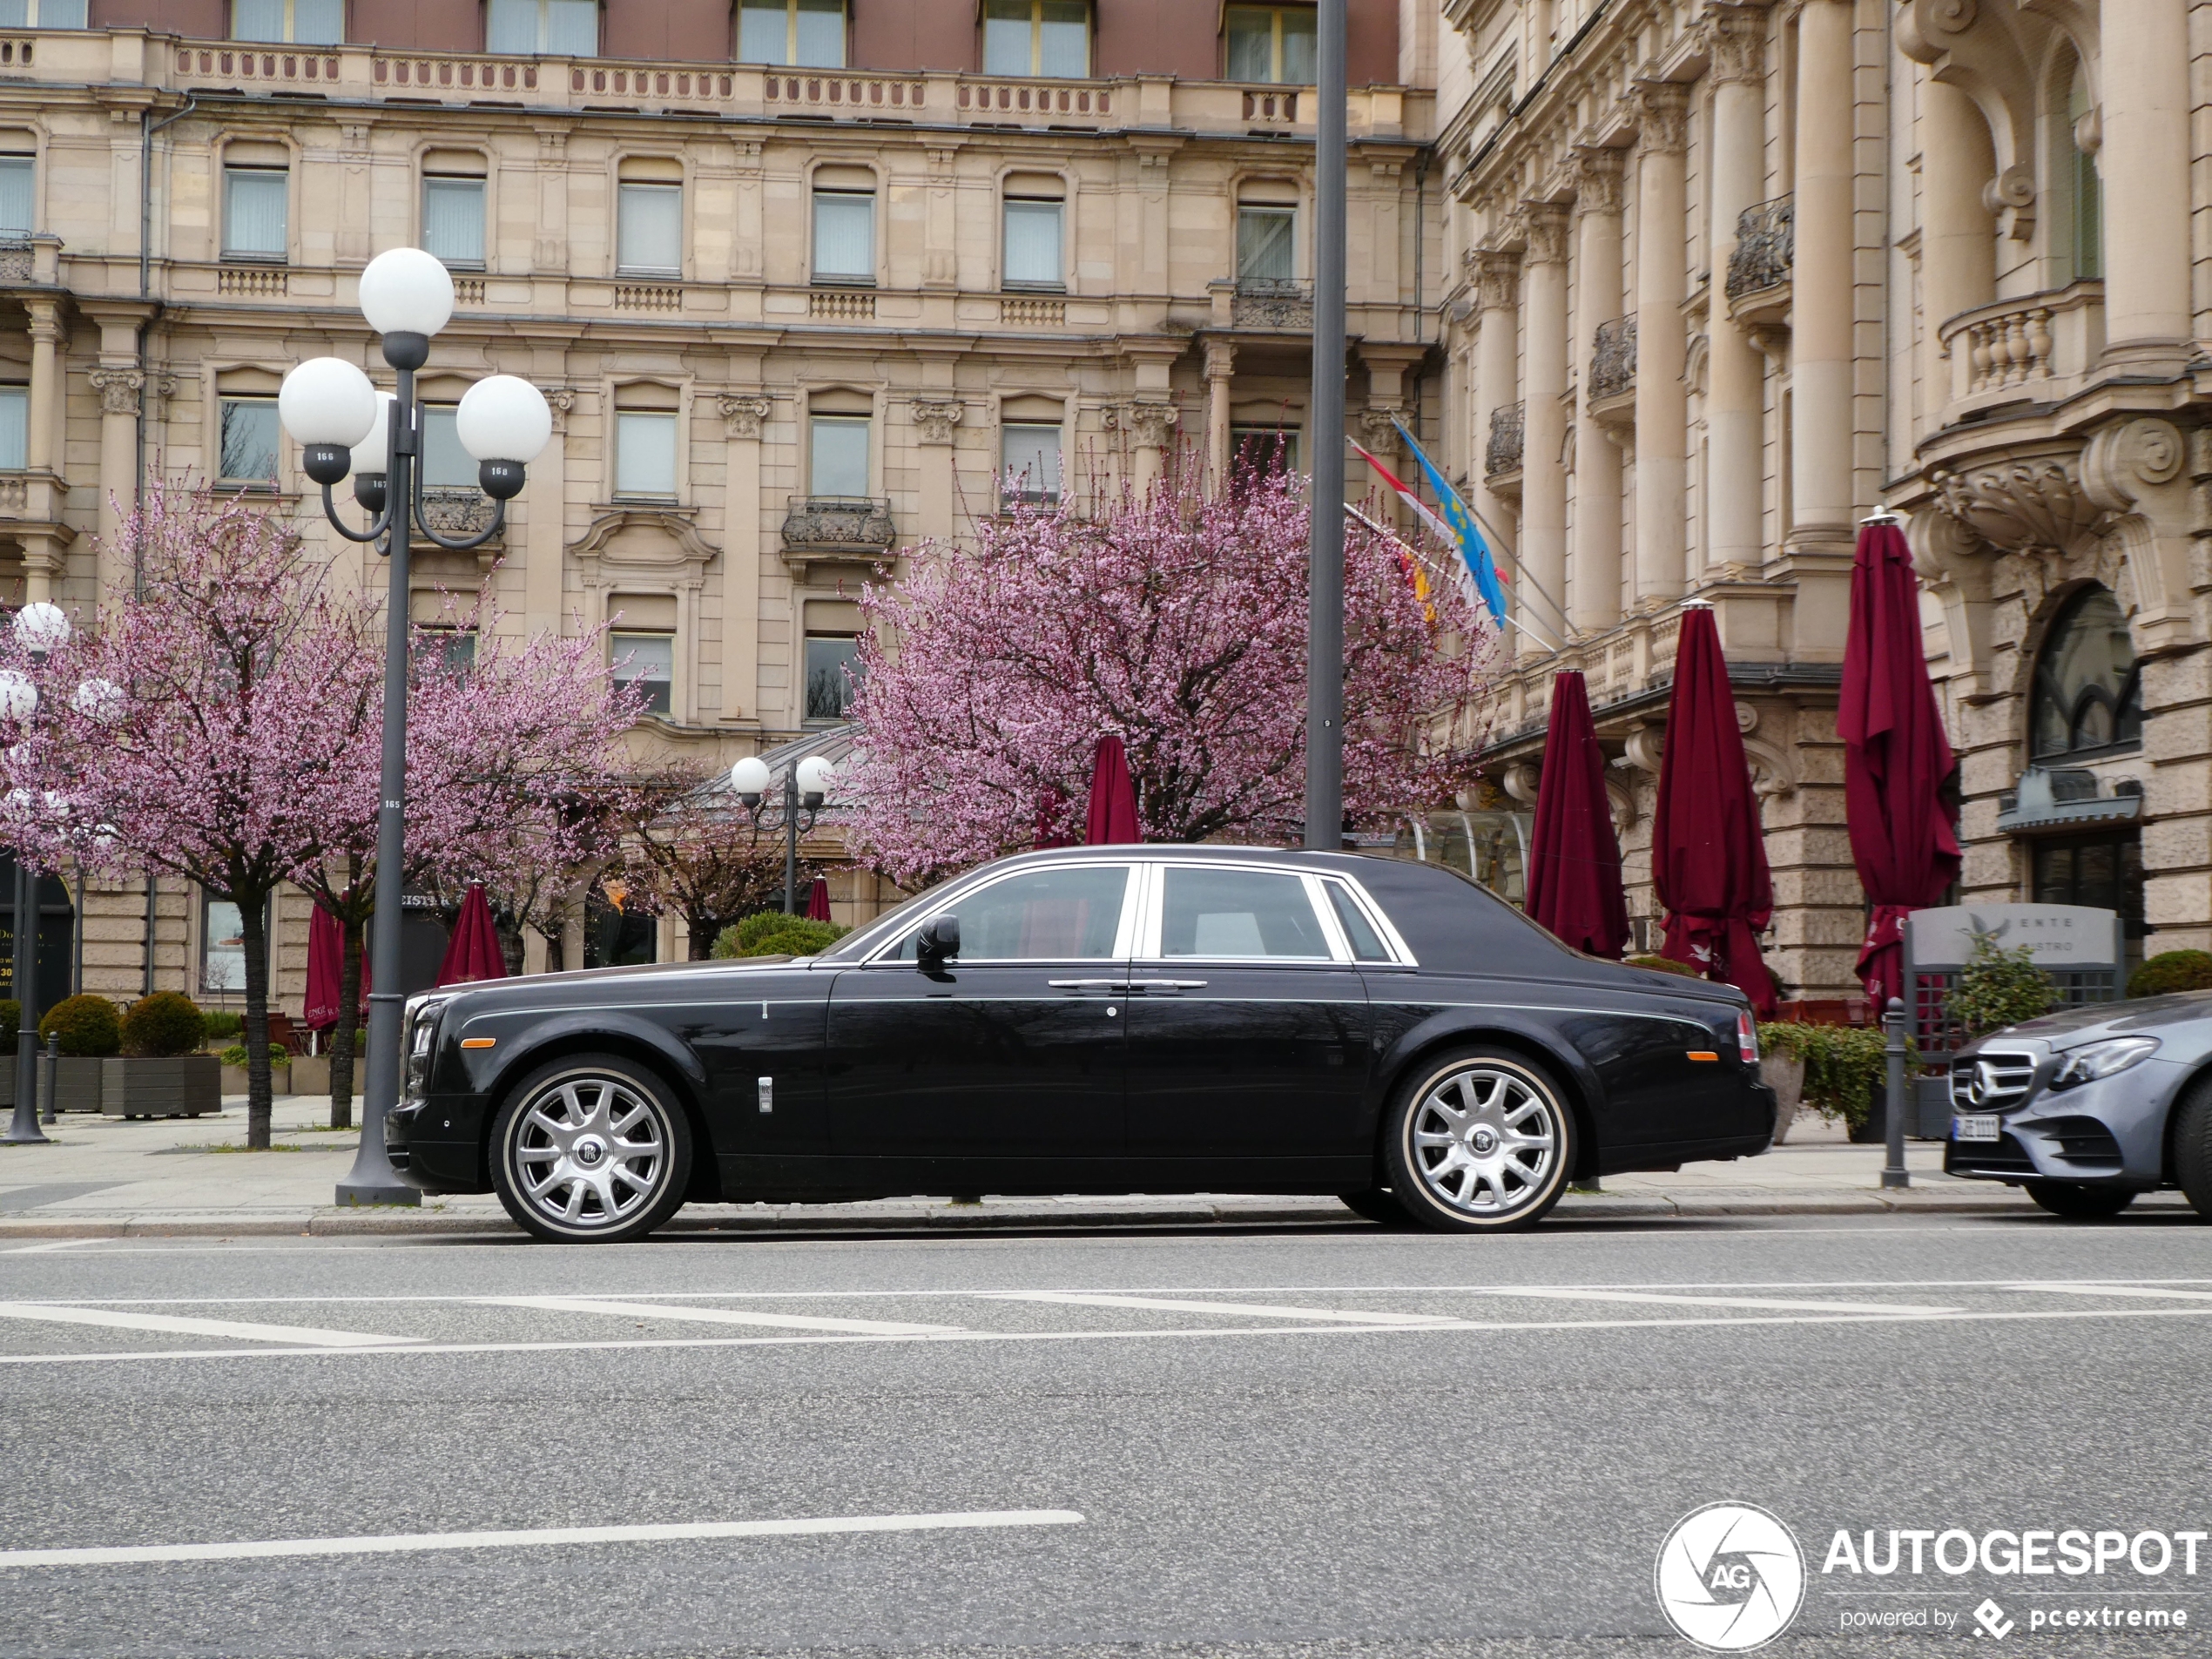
<point x="806" y="282"/>
<point x="1724" y="278"/>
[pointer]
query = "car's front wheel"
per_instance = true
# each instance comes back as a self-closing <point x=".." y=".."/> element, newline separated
<point x="2193" y="1146"/>
<point x="2078" y="1203"/>
<point x="590" y="1148"/>
<point x="1480" y="1142"/>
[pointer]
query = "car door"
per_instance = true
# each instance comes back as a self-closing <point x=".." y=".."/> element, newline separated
<point x="1012" y="1049"/>
<point x="1248" y="1023"/>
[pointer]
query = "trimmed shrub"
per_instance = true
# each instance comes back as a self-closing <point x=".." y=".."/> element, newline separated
<point x="163" y="1025"/>
<point x="236" y="1054"/>
<point x="89" y="1027"/>
<point x="1665" y="965"/>
<point x="224" y="1022"/>
<point x="2172" y="970"/>
<point x="10" y="1024"/>
<point x="773" y="933"/>
<point x="1999" y="987"/>
<point x="1845" y="1064"/>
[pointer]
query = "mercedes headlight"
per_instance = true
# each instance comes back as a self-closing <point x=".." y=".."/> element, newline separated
<point x="2095" y="1060"/>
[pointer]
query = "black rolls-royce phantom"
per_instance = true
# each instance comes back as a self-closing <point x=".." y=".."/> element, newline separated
<point x="1121" y="1019"/>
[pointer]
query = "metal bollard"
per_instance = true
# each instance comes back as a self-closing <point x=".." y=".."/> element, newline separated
<point x="47" y="1114"/>
<point x="1894" y="1173"/>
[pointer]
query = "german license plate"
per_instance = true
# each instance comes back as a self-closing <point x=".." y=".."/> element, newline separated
<point x="1982" y="1127"/>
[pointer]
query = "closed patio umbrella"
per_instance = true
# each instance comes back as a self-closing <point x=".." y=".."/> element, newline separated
<point x="325" y="960"/>
<point x="473" y="953"/>
<point x="1574" y="856"/>
<point x="1707" y="848"/>
<point x="1904" y="832"/>
<point x="818" y="900"/>
<point x="1113" y="797"/>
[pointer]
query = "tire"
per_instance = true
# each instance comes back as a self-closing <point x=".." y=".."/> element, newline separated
<point x="590" y="1148"/>
<point x="1450" y="1143"/>
<point x="2192" y="1147"/>
<point x="2078" y="1203"/>
<point x="1376" y="1205"/>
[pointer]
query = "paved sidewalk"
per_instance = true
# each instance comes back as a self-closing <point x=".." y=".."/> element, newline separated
<point x="108" y="1177"/>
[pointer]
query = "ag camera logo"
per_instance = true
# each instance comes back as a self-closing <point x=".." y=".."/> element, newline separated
<point x="1730" y="1577"/>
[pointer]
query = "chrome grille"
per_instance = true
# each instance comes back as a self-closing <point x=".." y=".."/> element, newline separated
<point x="1991" y="1081"/>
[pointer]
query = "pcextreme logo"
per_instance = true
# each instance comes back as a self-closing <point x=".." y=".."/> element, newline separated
<point x="1730" y="1577"/>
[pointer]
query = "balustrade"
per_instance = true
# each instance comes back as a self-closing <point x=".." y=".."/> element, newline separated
<point x="1508" y="432"/>
<point x="1766" y="243"/>
<point x="1613" y="359"/>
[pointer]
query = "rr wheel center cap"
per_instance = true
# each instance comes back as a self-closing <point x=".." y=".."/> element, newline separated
<point x="1482" y="1140"/>
<point x="588" y="1150"/>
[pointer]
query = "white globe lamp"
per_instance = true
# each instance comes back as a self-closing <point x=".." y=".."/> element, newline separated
<point x="18" y="697"/>
<point x="814" y="775"/>
<point x="405" y="291"/>
<point x="749" y="777"/>
<point x="326" y="403"/>
<point x="100" y="700"/>
<point x="41" y="628"/>
<point x="504" y="423"/>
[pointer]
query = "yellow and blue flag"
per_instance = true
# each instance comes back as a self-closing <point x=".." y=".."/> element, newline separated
<point x="1460" y="519"/>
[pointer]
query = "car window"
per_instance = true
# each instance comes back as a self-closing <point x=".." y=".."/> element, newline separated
<point x="1366" y="943"/>
<point x="1040" y="915"/>
<point x="1237" y="913"/>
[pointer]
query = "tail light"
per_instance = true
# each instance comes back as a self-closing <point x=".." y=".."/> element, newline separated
<point x="1747" y="1038"/>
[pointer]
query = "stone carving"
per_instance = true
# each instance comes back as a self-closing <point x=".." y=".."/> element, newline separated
<point x="1148" y="423"/>
<point x="1545" y="225"/>
<point x="118" y="389"/>
<point x="456" y="511"/>
<point x="1613" y="359"/>
<point x="2010" y="197"/>
<point x="1499" y="286"/>
<point x="1508" y="435"/>
<point x="1766" y="245"/>
<point x="1272" y="303"/>
<point x="1662" y="110"/>
<point x="1381" y="428"/>
<point x="1736" y="36"/>
<point x="935" y="419"/>
<point x="2122" y="461"/>
<point x="561" y="400"/>
<point x="1597" y="182"/>
<point x="2024" y="503"/>
<point x="744" y="411"/>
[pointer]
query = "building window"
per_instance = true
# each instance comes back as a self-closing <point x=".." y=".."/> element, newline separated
<point x="649" y="232"/>
<point x="1037" y="38"/>
<point x="1265" y="244"/>
<point x="453" y="221"/>
<point x="2086" y="216"/>
<point x="1263" y="449"/>
<point x="555" y="28"/>
<point x="844" y="236"/>
<point x="446" y="651"/>
<point x="2087" y="697"/>
<point x="1271" y="43"/>
<point x="256" y="205"/>
<point x="644" y="454"/>
<point x="304" y="22"/>
<point x="1029" y="463"/>
<point x="249" y="441"/>
<point x="2104" y="870"/>
<point x="647" y="661"/>
<point x="446" y="465"/>
<point x="833" y="671"/>
<point x="796" y="34"/>
<point x="15" y="428"/>
<point x="838" y="454"/>
<point x="1032" y="244"/>
<point x="17" y="178"/>
<point x="41" y="14"/>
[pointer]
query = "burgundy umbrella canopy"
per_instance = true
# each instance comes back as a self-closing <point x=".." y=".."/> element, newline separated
<point x="1113" y="797"/>
<point x="325" y="960"/>
<point x="1574" y="857"/>
<point x="818" y="900"/>
<point x="1904" y="833"/>
<point x="473" y="953"/>
<point x="1707" y="851"/>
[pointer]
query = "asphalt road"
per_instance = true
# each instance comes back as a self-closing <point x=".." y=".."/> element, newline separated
<point x="1334" y="1442"/>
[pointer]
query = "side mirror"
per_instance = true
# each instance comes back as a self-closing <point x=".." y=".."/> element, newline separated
<point x="940" y="939"/>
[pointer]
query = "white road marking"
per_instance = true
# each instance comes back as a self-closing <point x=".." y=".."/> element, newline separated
<point x="402" y="1543"/>
<point x="713" y="1316"/>
<point x="1256" y="1310"/>
<point x="1582" y="1293"/>
<point x="298" y="1335"/>
<point x="2079" y="1289"/>
<point x="58" y="1243"/>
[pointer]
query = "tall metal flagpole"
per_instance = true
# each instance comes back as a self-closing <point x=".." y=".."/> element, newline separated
<point x="1324" y="626"/>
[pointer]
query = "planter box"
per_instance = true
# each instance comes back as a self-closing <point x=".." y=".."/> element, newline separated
<point x="1785" y="1074"/>
<point x="311" y="1073"/>
<point x="234" y="1079"/>
<point x="77" y="1088"/>
<point x="185" y="1086"/>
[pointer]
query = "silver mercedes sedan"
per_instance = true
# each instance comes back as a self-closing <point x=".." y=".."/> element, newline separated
<point x="2088" y="1107"/>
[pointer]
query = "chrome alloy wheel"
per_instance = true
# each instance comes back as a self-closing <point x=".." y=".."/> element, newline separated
<point x="589" y="1153"/>
<point x="1485" y="1141"/>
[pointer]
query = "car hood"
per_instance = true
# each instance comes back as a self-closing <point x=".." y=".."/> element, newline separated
<point x="638" y="971"/>
<point x="2155" y="1015"/>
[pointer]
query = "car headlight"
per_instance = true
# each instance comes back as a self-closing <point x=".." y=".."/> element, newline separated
<point x="422" y="1029"/>
<point x="2095" y="1060"/>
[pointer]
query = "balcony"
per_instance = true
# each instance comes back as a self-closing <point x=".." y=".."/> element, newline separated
<point x="1613" y="367"/>
<point x="2036" y="349"/>
<point x="1501" y="457"/>
<point x="30" y="261"/>
<point x="1766" y="243"/>
<point x="457" y="510"/>
<point x="1271" y="304"/>
<point x="836" y="530"/>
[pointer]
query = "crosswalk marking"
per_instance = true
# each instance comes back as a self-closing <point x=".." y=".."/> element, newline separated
<point x="301" y="1335"/>
<point x="1254" y="1310"/>
<point x="716" y="1316"/>
<point x="1577" y="1293"/>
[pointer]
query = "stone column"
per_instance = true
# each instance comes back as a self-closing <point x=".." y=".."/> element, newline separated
<point x="1496" y="344"/>
<point x="935" y="421"/>
<point x="1595" y="558"/>
<point x="1221" y="364"/>
<point x="1151" y="428"/>
<point x="118" y="388"/>
<point x="1662" y="466"/>
<point x="1821" y="291"/>
<point x="1734" y="369"/>
<point x="46" y="383"/>
<point x="742" y="414"/>
<point x="1543" y="486"/>
<point x="543" y="531"/>
<point x="1958" y="232"/>
<point x="2144" y="166"/>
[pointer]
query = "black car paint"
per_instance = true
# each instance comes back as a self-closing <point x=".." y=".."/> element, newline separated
<point x="885" y="1079"/>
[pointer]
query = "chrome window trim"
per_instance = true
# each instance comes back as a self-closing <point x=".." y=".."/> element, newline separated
<point x="1125" y="926"/>
<point x="1148" y="942"/>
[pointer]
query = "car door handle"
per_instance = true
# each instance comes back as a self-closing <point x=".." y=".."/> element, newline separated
<point x="1084" y="984"/>
<point x="1166" y="985"/>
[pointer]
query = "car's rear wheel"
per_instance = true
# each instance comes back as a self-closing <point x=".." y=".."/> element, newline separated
<point x="591" y="1149"/>
<point x="1479" y="1141"/>
<point x="2078" y="1203"/>
<point x="1375" y="1205"/>
<point x="2193" y="1146"/>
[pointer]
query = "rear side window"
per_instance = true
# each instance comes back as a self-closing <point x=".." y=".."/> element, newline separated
<point x="1239" y="913"/>
<point x="1366" y="943"/>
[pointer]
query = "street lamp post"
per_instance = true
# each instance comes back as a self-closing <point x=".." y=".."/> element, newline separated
<point x="805" y="786"/>
<point x="330" y="408"/>
<point x="41" y="629"/>
<point x="1325" y="618"/>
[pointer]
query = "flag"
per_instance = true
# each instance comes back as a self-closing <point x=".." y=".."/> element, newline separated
<point x="1464" y="533"/>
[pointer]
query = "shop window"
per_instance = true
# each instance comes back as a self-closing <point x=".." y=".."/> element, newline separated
<point x="838" y="454"/>
<point x="1265" y="244"/>
<point x="648" y="661"/>
<point x="1271" y="43"/>
<point x="17" y="177"/>
<point x="249" y="441"/>
<point x="1029" y="463"/>
<point x="453" y="221"/>
<point x="303" y="22"/>
<point x="15" y="428"/>
<point x="551" y="28"/>
<point x="844" y="236"/>
<point x="2087" y="694"/>
<point x="793" y="33"/>
<point x="256" y="208"/>
<point x="833" y="671"/>
<point x="1036" y="37"/>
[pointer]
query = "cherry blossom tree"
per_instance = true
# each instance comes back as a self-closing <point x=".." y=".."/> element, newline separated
<point x="1177" y="621"/>
<point x="691" y="847"/>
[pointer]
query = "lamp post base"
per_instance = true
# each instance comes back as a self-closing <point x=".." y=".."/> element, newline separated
<point x="1897" y="1178"/>
<point x="351" y="1194"/>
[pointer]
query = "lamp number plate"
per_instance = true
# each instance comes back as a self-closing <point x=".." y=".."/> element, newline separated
<point x="1980" y="1127"/>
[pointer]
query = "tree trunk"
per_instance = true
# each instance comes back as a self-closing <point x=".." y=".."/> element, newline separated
<point x="341" y="1035"/>
<point x="700" y="930"/>
<point x="253" y="910"/>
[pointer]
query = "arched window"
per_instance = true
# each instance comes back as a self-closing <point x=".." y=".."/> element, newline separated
<point x="2087" y="697"/>
<point x="2076" y="194"/>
